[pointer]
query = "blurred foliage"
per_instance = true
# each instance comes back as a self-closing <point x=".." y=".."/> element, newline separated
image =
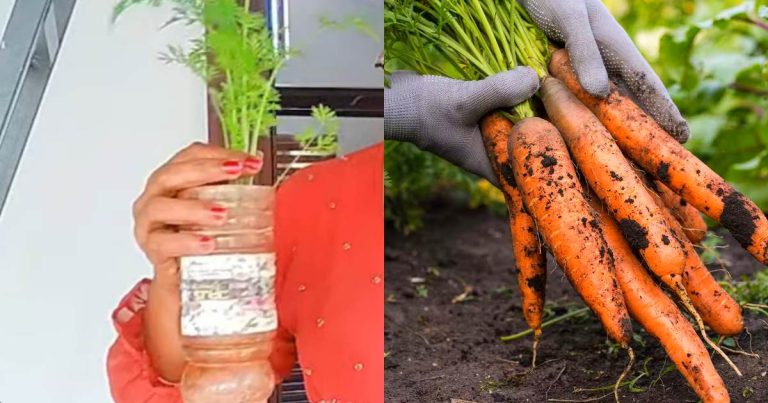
<point x="414" y="177"/>
<point x="750" y="291"/>
<point x="711" y="54"/>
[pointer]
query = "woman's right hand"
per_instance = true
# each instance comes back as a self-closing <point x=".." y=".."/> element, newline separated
<point x="157" y="212"/>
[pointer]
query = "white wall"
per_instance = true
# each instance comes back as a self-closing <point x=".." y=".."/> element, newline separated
<point x="111" y="114"/>
<point x="5" y="12"/>
<point x="331" y="57"/>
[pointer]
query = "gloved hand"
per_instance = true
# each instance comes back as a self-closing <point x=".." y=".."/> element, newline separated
<point x="441" y="115"/>
<point x="599" y="47"/>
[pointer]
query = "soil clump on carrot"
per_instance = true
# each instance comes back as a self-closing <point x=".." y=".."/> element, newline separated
<point x="635" y="234"/>
<point x="736" y="217"/>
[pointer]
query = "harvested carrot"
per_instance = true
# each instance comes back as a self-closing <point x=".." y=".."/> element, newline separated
<point x="552" y="194"/>
<point x="677" y="284"/>
<point x="690" y="219"/>
<point x="530" y="259"/>
<point x="531" y="273"/>
<point x="641" y="220"/>
<point x="717" y="309"/>
<point x="615" y="182"/>
<point x="643" y="140"/>
<point x="660" y="317"/>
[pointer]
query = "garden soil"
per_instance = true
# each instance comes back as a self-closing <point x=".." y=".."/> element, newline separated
<point x="451" y="293"/>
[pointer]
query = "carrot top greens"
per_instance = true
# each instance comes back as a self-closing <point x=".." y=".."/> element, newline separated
<point x="464" y="39"/>
<point x="235" y="57"/>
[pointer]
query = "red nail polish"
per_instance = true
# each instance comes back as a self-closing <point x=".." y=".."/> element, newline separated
<point x="232" y="167"/>
<point x="253" y="164"/>
<point x="218" y="210"/>
<point x="206" y="242"/>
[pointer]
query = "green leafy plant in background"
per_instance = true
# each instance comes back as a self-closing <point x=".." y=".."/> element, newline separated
<point x="712" y="57"/>
<point x="322" y="139"/>
<point x="414" y="177"/>
<point x="236" y="58"/>
<point x="754" y="290"/>
<point x="751" y="292"/>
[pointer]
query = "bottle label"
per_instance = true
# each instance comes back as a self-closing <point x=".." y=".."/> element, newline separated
<point x="224" y="295"/>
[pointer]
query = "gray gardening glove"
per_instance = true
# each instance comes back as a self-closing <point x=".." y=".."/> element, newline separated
<point x="599" y="48"/>
<point x="440" y="114"/>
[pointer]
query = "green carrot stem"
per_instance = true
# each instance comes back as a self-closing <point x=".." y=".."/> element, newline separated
<point x="548" y="323"/>
<point x="480" y="14"/>
<point x="501" y="33"/>
<point x="258" y="130"/>
<point x="462" y="35"/>
<point x="457" y="47"/>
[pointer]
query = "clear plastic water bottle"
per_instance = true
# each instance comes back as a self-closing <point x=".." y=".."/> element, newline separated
<point x="228" y="317"/>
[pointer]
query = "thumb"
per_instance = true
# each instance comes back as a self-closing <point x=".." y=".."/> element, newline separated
<point x="477" y="98"/>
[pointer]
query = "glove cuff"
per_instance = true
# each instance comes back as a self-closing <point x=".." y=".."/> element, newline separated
<point x="401" y="121"/>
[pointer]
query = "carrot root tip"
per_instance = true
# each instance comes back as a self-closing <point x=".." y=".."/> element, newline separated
<point x="535" y="348"/>
<point x="630" y="363"/>
<point x="686" y="301"/>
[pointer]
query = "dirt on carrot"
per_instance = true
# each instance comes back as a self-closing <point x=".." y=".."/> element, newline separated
<point x="660" y="317"/>
<point x="717" y="309"/>
<point x="527" y="247"/>
<point x="693" y="225"/>
<point x="648" y="145"/>
<point x="553" y="196"/>
<point x="597" y="155"/>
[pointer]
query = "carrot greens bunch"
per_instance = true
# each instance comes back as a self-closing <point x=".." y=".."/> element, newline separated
<point x="464" y="39"/>
<point x="235" y="57"/>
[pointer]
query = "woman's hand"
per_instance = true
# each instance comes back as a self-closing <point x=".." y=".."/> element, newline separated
<point x="157" y="211"/>
<point x="440" y="115"/>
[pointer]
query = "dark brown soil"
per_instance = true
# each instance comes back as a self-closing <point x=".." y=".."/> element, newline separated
<point x="438" y="350"/>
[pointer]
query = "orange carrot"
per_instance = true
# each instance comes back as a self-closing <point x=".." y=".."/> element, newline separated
<point x="612" y="177"/>
<point x="659" y="315"/>
<point x="694" y="227"/>
<point x="717" y="309"/>
<point x="530" y="259"/>
<point x="615" y="182"/>
<point x="643" y="140"/>
<point x="552" y="194"/>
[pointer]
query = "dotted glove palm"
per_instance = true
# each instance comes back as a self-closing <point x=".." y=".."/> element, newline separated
<point x="440" y="114"/>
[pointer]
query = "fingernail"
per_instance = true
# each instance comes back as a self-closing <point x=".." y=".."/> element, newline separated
<point x="206" y="242"/>
<point x="219" y="213"/>
<point x="232" y="167"/>
<point x="253" y="164"/>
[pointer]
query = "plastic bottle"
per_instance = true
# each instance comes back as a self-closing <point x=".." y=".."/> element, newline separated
<point x="228" y="316"/>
